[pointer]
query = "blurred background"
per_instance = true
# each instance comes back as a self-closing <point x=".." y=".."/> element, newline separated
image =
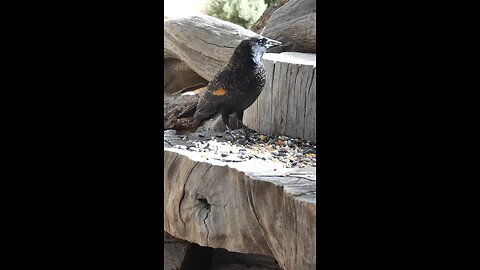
<point x="182" y="8"/>
<point x="241" y="12"/>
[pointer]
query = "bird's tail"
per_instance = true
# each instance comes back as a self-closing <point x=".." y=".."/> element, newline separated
<point x="188" y="112"/>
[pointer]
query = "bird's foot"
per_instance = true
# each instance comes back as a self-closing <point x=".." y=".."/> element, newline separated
<point x="229" y="136"/>
<point x="242" y="136"/>
<point x="247" y="133"/>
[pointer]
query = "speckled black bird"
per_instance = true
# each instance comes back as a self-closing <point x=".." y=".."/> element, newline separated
<point x="237" y="85"/>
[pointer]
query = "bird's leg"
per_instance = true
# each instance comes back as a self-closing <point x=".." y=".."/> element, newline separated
<point x="240" y="121"/>
<point x="228" y="131"/>
<point x="225" y="121"/>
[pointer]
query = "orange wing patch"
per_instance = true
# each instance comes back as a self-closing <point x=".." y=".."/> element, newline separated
<point x="219" y="92"/>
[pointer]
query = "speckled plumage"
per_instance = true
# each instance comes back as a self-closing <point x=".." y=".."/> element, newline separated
<point x="238" y="84"/>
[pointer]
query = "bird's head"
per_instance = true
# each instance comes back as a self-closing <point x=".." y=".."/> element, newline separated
<point x="262" y="43"/>
<point x="257" y="46"/>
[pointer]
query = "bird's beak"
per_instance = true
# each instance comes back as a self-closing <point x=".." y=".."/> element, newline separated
<point x="272" y="43"/>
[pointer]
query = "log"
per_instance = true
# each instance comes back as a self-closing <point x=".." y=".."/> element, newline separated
<point x="203" y="43"/>
<point x="173" y="106"/>
<point x="175" y="116"/>
<point x="254" y="206"/>
<point x="294" y="24"/>
<point x="260" y="24"/>
<point x="177" y="75"/>
<point x="174" y="251"/>
<point x="287" y="104"/>
<point x="197" y="47"/>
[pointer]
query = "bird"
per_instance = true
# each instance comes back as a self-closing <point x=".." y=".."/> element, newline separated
<point x="237" y="85"/>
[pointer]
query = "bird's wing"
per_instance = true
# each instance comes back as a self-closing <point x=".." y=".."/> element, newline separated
<point x="217" y="93"/>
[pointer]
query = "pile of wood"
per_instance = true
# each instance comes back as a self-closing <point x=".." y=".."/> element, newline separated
<point x="203" y="44"/>
<point x="252" y="207"/>
<point x="197" y="47"/>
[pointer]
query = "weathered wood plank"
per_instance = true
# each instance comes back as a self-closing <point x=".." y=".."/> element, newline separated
<point x="284" y="94"/>
<point x="307" y="77"/>
<point x="268" y="98"/>
<point x="301" y="100"/>
<point x="173" y="106"/>
<point x="203" y="43"/>
<point x="253" y="206"/>
<point x="310" y="128"/>
<point x="287" y="105"/>
<point x="291" y="124"/>
<point x="277" y="83"/>
<point x="294" y="24"/>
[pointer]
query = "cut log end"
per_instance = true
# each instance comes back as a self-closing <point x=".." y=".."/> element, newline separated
<point x="287" y="104"/>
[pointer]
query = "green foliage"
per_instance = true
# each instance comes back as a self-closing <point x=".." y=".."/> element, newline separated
<point x="241" y="12"/>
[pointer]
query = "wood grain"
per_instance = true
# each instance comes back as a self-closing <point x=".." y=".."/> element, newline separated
<point x="287" y="104"/>
<point x="294" y="24"/>
<point x="203" y="43"/>
<point x="253" y="206"/>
